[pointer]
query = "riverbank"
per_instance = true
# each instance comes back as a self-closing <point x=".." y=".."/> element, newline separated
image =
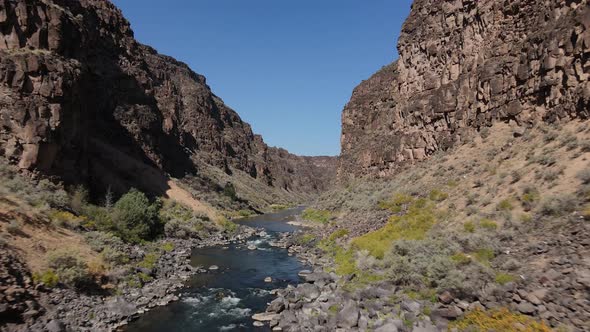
<point x="67" y="309"/>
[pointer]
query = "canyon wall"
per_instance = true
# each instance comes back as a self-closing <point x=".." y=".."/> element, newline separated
<point x="82" y="100"/>
<point x="464" y="64"/>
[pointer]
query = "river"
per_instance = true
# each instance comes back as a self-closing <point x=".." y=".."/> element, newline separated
<point x="225" y="299"/>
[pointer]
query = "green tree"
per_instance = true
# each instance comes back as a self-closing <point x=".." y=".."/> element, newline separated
<point x="135" y="219"/>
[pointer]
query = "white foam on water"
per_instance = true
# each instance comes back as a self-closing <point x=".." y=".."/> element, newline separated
<point x="230" y="301"/>
<point x="228" y="327"/>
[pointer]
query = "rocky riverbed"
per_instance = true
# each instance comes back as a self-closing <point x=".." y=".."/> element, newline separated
<point x="59" y="309"/>
<point x="556" y="293"/>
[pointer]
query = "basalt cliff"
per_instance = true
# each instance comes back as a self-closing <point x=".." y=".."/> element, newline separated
<point x="464" y="65"/>
<point x="83" y="101"/>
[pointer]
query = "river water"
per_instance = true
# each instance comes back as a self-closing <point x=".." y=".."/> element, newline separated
<point x="225" y="300"/>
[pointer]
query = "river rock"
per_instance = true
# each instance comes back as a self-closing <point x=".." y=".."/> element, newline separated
<point x="268" y="279"/>
<point x="348" y="316"/>
<point x="213" y="268"/>
<point x="264" y="316"/>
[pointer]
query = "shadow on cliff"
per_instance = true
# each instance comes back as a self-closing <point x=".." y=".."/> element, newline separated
<point x="126" y="146"/>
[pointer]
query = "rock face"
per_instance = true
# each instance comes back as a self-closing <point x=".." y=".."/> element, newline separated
<point x="464" y="64"/>
<point x="79" y="96"/>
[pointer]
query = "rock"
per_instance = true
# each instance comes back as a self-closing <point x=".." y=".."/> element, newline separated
<point x="526" y="308"/>
<point x="309" y="291"/>
<point x="252" y="247"/>
<point x="304" y="273"/>
<point x="268" y="279"/>
<point x="213" y="268"/>
<point x="388" y="326"/>
<point x="451" y="312"/>
<point x="264" y="316"/>
<point x="55" y="326"/>
<point x="258" y="324"/>
<point x="276" y="306"/>
<point x="422" y="103"/>
<point x="446" y="297"/>
<point x="348" y="316"/>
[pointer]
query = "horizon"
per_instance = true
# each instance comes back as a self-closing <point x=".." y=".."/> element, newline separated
<point x="291" y="82"/>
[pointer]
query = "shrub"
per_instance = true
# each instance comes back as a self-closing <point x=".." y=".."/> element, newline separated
<point x="437" y="195"/>
<point x="70" y="269"/>
<point x="49" y="278"/>
<point x="79" y="199"/>
<point x="149" y="261"/>
<point x="228" y="226"/>
<point x="584" y="176"/>
<point x="65" y="219"/>
<point x="484" y="255"/>
<point x="469" y="226"/>
<point x="461" y="258"/>
<point x="338" y="234"/>
<point x="484" y="132"/>
<point x="100" y="241"/>
<point x="503" y="278"/>
<point x="230" y="191"/>
<point x="529" y="198"/>
<point x="500" y="320"/>
<point x="525" y="217"/>
<point x="167" y="246"/>
<point x="413" y="225"/>
<point x="420" y="263"/>
<point x="488" y="224"/>
<point x="14" y="227"/>
<point x="135" y="218"/>
<point x="558" y="205"/>
<point x="504" y="205"/>
<point x="321" y="216"/>
<point x="397" y="203"/>
<point x="114" y="257"/>
<point x="516" y="176"/>
<point x="305" y="239"/>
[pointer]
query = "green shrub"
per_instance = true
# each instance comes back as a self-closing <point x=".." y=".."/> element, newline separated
<point x="504" y="205"/>
<point x="135" y="218"/>
<point x="338" y="234"/>
<point x="228" y="226"/>
<point x="503" y="278"/>
<point x="529" y="198"/>
<point x="501" y="320"/>
<point x="398" y="202"/>
<point x="167" y="246"/>
<point x="488" y="224"/>
<point x="469" y="227"/>
<point x="484" y="255"/>
<point x="413" y="225"/>
<point x="461" y="258"/>
<point x="182" y="229"/>
<point x="230" y="191"/>
<point x="71" y="270"/>
<point x="321" y="216"/>
<point x="49" y="278"/>
<point x="305" y="239"/>
<point x="437" y="195"/>
<point x="100" y="241"/>
<point x="149" y="261"/>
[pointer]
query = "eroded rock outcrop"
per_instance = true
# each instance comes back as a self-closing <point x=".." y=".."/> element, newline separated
<point x="464" y="64"/>
<point x="77" y="92"/>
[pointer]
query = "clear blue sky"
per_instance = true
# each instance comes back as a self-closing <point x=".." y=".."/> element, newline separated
<point x="287" y="67"/>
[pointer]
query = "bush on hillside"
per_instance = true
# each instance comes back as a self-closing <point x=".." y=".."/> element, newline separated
<point x="135" y="219"/>
<point x="70" y="269"/>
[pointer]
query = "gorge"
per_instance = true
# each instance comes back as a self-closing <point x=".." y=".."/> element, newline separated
<point x="460" y="200"/>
